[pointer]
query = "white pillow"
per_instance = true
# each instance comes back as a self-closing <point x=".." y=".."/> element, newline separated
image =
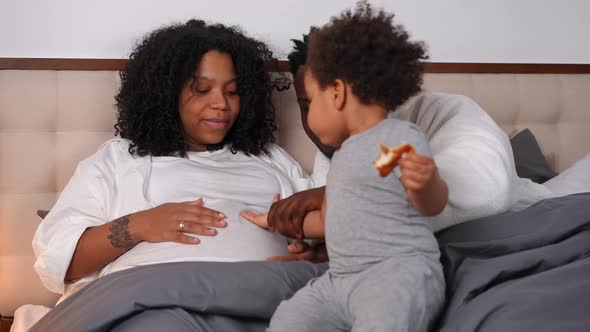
<point x="575" y="179"/>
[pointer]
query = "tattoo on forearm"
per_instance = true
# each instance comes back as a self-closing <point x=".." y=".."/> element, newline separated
<point x="120" y="237"/>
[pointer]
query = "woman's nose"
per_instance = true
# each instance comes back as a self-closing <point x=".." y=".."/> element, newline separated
<point x="219" y="101"/>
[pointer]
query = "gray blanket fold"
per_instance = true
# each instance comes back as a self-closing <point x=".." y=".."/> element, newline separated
<point x="520" y="271"/>
<point x="217" y="294"/>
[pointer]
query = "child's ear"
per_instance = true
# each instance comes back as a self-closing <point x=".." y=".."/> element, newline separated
<point x="339" y="94"/>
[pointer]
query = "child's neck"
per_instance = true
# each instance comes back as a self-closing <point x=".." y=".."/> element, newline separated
<point x="365" y="117"/>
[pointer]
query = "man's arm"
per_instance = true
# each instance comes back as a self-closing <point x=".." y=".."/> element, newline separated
<point x="287" y="215"/>
<point x="312" y="228"/>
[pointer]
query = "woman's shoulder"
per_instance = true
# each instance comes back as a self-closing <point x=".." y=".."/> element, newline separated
<point x="112" y="153"/>
<point x="275" y="152"/>
<point x="278" y="155"/>
<point x="275" y="148"/>
<point x="280" y="158"/>
<point x="115" y="144"/>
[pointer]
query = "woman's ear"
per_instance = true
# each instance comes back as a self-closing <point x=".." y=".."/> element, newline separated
<point x="339" y="94"/>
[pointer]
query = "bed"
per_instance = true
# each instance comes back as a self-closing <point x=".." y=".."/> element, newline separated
<point x="55" y="113"/>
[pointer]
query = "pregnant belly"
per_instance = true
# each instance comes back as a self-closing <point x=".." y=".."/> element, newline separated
<point x="240" y="240"/>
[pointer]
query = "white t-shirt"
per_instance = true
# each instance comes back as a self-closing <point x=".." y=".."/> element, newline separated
<point x="112" y="183"/>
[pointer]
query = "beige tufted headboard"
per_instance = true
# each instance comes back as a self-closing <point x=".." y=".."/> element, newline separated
<point x="51" y="119"/>
<point x="555" y="107"/>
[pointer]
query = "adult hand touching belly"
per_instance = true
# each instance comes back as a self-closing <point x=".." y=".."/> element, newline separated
<point x="100" y="245"/>
<point x="170" y="222"/>
<point x="240" y="240"/>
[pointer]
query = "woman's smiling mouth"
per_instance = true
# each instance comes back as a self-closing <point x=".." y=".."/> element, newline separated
<point x="216" y="123"/>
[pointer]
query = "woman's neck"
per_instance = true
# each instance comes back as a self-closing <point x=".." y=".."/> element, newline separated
<point x="195" y="147"/>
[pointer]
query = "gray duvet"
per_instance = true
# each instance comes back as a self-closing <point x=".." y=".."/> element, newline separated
<point x="185" y="296"/>
<point x="524" y="271"/>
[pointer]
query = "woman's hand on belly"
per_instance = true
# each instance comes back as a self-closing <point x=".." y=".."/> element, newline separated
<point x="169" y="222"/>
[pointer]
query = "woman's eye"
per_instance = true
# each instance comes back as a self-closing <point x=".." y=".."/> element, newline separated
<point x="232" y="93"/>
<point x="202" y="91"/>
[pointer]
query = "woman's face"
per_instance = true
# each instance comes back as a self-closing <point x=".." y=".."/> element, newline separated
<point x="209" y="104"/>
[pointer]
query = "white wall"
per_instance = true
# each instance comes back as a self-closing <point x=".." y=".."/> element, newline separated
<point x="553" y="31"/>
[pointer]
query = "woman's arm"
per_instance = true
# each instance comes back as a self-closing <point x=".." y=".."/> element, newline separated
<point x="100" y="245"/>
<point x="78" y="238"/>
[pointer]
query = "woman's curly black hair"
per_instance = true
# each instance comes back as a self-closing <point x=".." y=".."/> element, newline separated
<point x="166" y="60"/>
<point x="366" y="50"/>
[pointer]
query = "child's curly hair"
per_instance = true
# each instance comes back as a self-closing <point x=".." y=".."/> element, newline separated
<point x="366" y="50"/>
<point x="159" y="67"/>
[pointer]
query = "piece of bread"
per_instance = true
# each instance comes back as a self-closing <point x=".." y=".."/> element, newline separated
<point x="390" y="156"/>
